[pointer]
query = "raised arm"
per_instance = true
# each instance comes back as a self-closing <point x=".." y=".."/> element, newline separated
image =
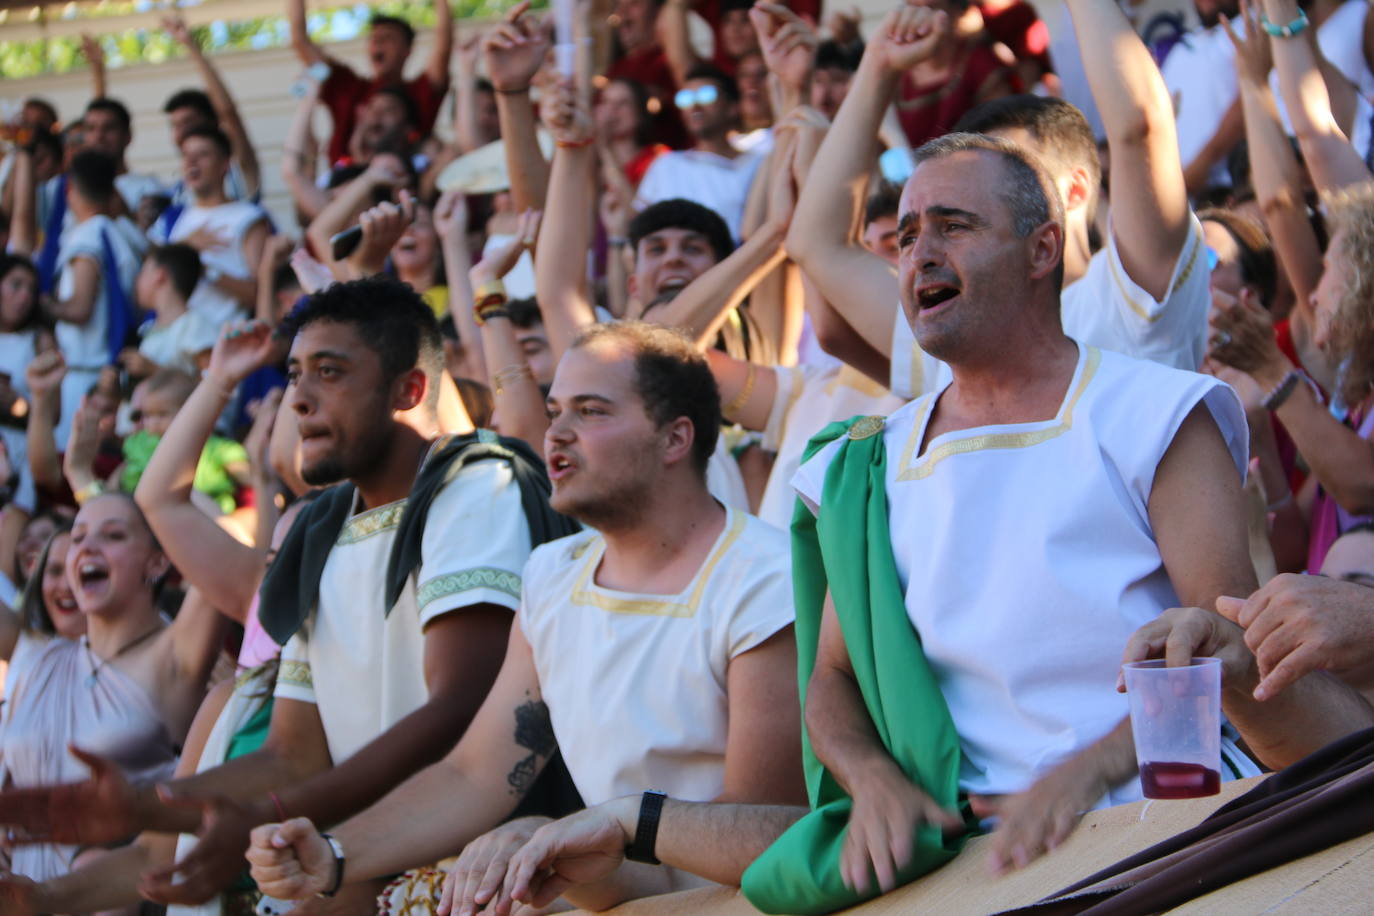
<point x="788" y="43"/>
<point x="308" y="52"/>
<point x="299" y="155"/>
<point x="208" y="556"/>
<point x="44" y="377"/>
<point x="24" y="219"/>
<point x="860" y="285"/>
<point x="348" y="204"/>
<point x="1331" y="160"/>
<point x="514" y="52"/>
<point x="520" y="406"/>
<point x="1149" y="201"/>
<point x="436" y="812"/>
<point x="225" y="108"/>
<point x="436" y="69"/>
<point x="674" y="34"/>
<point x="95" y="56"/>
<point x="703" y="306"/>
<point x="560" y="272"/>
<point x="1274" y="168"/>
<point x="466" y="134"/>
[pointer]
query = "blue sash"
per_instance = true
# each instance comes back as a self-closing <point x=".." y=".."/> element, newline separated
<point x="122" y="318"/>
<point x="52" y="238"/>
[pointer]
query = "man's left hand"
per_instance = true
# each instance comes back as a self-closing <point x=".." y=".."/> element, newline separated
<point x="216" y="860"/>
<point x="1037" y="820"/>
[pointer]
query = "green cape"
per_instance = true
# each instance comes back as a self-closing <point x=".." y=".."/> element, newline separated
<point x="848" y="550"/>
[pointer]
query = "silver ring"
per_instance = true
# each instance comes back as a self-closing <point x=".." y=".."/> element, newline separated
<point x="1222" y="339"/>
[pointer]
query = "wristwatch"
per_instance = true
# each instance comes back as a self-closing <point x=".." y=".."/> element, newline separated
<point x="646" y="831"/>
<point x="338" y="866"/>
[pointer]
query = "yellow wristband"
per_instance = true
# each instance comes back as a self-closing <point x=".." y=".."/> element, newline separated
<point x="89" y="491"/>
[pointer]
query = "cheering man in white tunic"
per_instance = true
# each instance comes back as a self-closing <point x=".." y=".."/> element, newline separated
<point x="656" y="653"/>
<point x="1045" y="503"/>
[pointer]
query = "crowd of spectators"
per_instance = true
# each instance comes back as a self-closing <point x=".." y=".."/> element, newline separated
<point x="440" y="530"/>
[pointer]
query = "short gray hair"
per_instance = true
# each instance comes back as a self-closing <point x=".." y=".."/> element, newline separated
<point x="1029" y="193"/>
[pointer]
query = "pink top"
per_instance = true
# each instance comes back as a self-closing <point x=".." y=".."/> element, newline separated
<point x="258" y="648"/>
<point x="1330" y="521"/>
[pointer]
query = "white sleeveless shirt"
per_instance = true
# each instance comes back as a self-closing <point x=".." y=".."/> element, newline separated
<point x="1027" y="556"/>
<point x="636" y="683"/>
<point x="231" y="221"/>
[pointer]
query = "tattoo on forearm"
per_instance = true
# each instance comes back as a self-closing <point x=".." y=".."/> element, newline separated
<point x="534" y="732"/>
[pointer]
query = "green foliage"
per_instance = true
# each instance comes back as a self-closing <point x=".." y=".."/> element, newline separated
<point x="19" y="59"/>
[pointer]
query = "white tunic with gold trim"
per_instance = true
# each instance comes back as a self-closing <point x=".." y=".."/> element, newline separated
<point x="636" y="684"/>
<point x="365" y="670"/>
<point x="1027" y="556"/>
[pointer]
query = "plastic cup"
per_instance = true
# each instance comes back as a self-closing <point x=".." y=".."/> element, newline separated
<point x="1176" y="720"/>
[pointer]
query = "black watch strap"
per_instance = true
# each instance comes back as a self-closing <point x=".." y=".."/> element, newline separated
<point x="337" y="849"/>
<point x="646" y="831"/>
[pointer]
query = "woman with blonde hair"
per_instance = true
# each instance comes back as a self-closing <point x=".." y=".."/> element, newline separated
<point x="1337" y="443"/>
<point x="126" y="692"/>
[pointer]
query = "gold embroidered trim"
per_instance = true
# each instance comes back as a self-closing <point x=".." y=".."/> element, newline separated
<point x="295" y="674"/>
<point x="1149" y="315"/>
<point x="866" y="427"/>
<point x="373" y="521"/>
<point x="926" y="466"/>
<point x="585" y="592"/>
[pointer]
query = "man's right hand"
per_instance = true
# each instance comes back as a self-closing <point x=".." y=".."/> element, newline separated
<point x="1180" y="634"/>
<point x="888" y="810"/>
<point x="909" y="35"/>
<point x="291" y="860"/>
<point x="515" y="50"/>
<point x="243" y="347"/>
<point x="101" y="810"/>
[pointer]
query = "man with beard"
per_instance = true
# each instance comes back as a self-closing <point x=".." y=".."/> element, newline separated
<point x="228" y="234"/>
<point x="1017" y="505"/>
<point x="656" y="652"/>
<point x="392" y="594"/>
<point x="1144" y="293"/>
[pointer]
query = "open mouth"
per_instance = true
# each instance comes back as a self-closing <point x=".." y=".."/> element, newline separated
<point x="934" y="296"/>
<point x="92" y="576"/>
<point x="560" y="466"/>
<point x="672" y="286"/>
<point x="66" y="604"/>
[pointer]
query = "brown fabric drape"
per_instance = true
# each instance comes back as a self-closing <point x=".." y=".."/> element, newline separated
<point x="1318" y="802"/>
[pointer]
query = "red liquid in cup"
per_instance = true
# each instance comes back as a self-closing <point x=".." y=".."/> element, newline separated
<point x="1178" y="780"/>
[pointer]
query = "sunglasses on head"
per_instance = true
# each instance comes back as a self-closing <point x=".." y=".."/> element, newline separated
<point x="699" y="97"/>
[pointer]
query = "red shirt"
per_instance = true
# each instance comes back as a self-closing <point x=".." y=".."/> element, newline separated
<point x="636" y="167"/>
<point x="345" y="90"/>
<point x="649" y="67"/>
<point x="1022" y="30"/>
<point x="929" y="111"/>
